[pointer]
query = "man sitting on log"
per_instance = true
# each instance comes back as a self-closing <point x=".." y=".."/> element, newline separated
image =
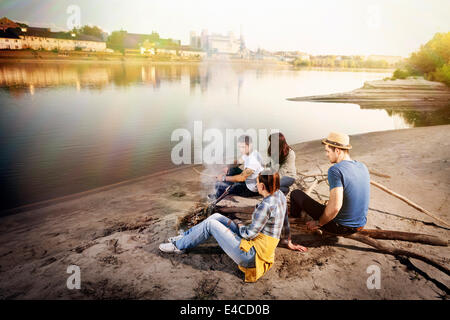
<point x="349" y="182"/>
<point x="242" y="182"/>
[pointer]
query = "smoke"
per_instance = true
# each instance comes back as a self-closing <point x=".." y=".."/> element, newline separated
<point x="215" y="138"/>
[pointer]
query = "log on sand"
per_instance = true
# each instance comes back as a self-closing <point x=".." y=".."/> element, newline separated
<point x="404" y="236"/>
<point x="372" y="233"/>
<point x="248" y="209"/>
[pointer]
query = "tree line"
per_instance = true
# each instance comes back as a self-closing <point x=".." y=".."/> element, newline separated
<point x="332" y="61"/>
<point x="432" y="61"/>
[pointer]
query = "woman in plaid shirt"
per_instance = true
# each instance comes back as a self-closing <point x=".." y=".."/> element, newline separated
<point x="252" y="247"/>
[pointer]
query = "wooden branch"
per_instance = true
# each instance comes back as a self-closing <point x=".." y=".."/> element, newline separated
<point x="404" y="236"/>
<point x="311" y="188"/>
<point x="248" y="209"/>
<point x="409" y="202"/>
<point x="318" y="195"/>
<point x="313" y="175"/>
<point x="320" y="169"/>
<point x="397" y="252"/>
<point x="384" y="234"/>
<point x="373" y="233"/>
<point x="379" y="174"/>
<point x="204" y="174"/>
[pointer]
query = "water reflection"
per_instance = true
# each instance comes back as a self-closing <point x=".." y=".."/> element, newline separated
<point x="19" y="78"/>
<point x="423" y="118"/>
<point x="26" y="78"/>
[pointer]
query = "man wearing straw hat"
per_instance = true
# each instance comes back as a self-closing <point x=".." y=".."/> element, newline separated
<point x="349" y="182"/>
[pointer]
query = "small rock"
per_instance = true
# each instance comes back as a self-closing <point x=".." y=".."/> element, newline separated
<point x="178" y="194"/>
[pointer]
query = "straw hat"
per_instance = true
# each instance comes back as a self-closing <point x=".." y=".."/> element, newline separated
<point x="338" y="140"/>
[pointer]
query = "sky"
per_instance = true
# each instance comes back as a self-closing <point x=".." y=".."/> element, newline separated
<point x="344" y="27"/>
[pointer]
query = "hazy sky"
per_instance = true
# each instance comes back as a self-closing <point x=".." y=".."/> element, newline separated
<point x="392" y="27"/>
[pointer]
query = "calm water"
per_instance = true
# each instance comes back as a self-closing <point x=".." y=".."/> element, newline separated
<point x="66" y="128"/>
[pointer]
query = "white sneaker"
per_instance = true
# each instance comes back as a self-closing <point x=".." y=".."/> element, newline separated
<point x="169" y="248"/>
<point x="175" y="238"/>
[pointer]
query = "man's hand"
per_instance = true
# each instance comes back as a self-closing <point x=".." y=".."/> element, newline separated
<point x="239" y="177"/>
<point x="220" y="177"/>
<point x="313" y="225"/>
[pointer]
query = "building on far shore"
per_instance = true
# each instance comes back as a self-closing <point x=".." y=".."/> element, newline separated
<point x="16" y="37"/>
<point x="5" y="24"/>
<point x="188" y="51"/>
<point x="291" y="56"/>
<point x="217" y="44"/>
<point x="44" y="39"/>
<point x="9" y="41"/>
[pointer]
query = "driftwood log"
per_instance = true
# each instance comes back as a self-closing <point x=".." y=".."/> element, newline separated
<point x="404" y="236"/>
<point x="248" y="209"/>
<point x="372" y="233"/>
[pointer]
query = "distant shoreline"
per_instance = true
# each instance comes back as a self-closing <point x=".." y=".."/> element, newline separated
<point x="37" y="57"/>
<point x="217" y="62"/>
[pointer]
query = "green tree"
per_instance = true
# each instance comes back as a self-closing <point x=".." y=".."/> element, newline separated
<point x="91" y="31"/>
<point x="301" y="63"/>
<point x="433" y="58"/>
<point x="116" y="40"/>
<point x="442" y="74"/>
<point x="400" y="74"/>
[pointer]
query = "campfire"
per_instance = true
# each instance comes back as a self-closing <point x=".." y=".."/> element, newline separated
<point x="199" y="213"/>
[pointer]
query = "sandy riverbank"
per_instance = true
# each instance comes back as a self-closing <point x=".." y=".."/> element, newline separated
<point x="416" y="93"/>
<point x="113" y="236"/>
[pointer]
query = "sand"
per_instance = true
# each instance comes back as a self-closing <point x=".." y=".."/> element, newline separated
<point x="406" y="93"/>
<point x="113" y="236"/>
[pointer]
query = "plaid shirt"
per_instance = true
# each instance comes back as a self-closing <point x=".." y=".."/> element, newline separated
<point x="268" y="218"/>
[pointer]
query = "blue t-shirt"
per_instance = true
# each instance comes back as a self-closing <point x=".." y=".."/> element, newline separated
<point x="354" y="177"/>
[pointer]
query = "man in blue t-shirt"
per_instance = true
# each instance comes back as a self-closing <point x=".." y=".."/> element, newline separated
<point x="346" y="211"/>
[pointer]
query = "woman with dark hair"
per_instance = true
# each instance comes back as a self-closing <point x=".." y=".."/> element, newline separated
<point x="252" y="247"/>
<point x="286" y="160"/>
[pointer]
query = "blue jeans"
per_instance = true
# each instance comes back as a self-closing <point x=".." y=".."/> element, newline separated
<point x="226" y="233"/>
<point x="285" y="183"/>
